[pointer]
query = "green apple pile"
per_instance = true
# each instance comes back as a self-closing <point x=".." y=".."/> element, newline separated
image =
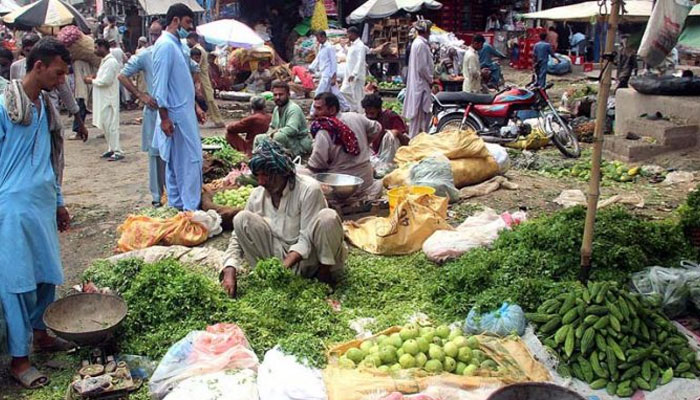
<point x="434" y="350"/>
<point x="235" y="198"/>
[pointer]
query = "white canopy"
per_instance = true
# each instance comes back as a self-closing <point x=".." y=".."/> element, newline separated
<point x="230" y="32"/>
<point x="7" y="6"/>
<point x="385" y="8"/>
<point x="635" y="10"/>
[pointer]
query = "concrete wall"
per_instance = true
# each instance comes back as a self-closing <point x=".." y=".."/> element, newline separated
<point x="630" y="104"/>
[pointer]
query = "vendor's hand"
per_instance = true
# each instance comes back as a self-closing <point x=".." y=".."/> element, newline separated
<point x="146" y="99"/>
<point x="229" y="281"/>
<point x="292" y="259"/>
<point x="167" y="126"/>
<point x="62" y="218"/>
<point x="88" y="79"/>
<point x="82" y="130"/>
<point x="201" y="115"/>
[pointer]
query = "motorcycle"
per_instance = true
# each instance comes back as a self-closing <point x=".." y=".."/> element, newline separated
<point x="501" y="117"/>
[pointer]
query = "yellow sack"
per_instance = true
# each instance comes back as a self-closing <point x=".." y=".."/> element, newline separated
<point x="510" y="354"/>
<point x="140" y="232"/>
<point x="470" y="171"/>
<point x="465" y="172"/>
<point x="402" y="232"/>
<point x="537" y="139"/>
<point x="452" y="144"/>
<point x="319" y="19"/>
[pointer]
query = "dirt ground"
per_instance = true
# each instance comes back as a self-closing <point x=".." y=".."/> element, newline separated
<point x="100" y="194"/>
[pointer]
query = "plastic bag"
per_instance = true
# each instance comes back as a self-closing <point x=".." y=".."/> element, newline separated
<point x="232" y="384"/>
<point x="221" y="347"/>
<point x="140" y="232"/>
<point x="435" y="172"/>
<point x="479" y="230"/>
<point x="281" y="377"/>
<point x="692" y="280"/>
<point x="502" y="322"/>
<point x="665" y="285"/>
<point x="383" y="161"/>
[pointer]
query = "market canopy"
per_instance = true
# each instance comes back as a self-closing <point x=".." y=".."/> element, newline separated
<point x="160" y="7"/>
<point x="384" y="8"/>
<point x="635" y="10"/>
<point x="230" y="32"/>
<point x="7" y="6"/>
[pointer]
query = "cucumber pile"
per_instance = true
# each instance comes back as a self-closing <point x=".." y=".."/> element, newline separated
<point x="613" y="339"/>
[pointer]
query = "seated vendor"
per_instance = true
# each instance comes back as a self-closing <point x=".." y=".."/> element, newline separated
<point x="253" y="125"/>
<point x="341" y="144"/>
<point x="288" y="126"/>
<point x="286" y="217"/>
<point x="391" y="123"/>
<point x="259" y="79"/>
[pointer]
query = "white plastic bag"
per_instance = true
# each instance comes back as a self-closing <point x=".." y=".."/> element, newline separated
<point x="221" y="347"/>
<point x="383" y="162"/>
<point x="499" y="154"/>
<point x="479" y="230"/>
<point x="667" y="285"/>
<point x="663" y="29"/>
<point x="281" y="377"/>
<point x="435" y="171"/>
<point x="210" y="220"/>
<point x="231" y="384"/>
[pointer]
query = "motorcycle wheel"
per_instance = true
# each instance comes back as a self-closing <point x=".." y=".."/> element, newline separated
<point x="452" y="122"/>
<point x="563" y="136"/>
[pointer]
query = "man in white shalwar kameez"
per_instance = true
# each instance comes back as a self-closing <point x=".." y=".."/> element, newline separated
<point x="105" y="99"/>
<point x="419" y="80"/>
<point x="353" y="87"/>
<point x="326" y="65"/>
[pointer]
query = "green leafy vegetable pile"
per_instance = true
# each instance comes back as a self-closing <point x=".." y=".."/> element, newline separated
<point x="227" y="153"/>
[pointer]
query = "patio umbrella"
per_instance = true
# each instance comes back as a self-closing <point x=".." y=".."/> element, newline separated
<point x="51" y="13"/>
<point x="384" y="8"/>
<point x="230" y="32"/>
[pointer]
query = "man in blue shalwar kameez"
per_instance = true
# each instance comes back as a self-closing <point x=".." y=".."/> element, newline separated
<point x="177" y="135"/>
<point x="31" y="163"/>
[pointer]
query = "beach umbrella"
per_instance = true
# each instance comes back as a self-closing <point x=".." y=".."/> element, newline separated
<point x="230" y="32"/>
<point x="51" y="13"/>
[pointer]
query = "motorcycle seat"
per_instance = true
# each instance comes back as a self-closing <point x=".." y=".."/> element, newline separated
<point x="464" y="98"/>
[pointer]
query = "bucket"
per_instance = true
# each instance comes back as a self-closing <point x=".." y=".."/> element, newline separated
<point x="397" y="195"/>
<point x="534" y="391"/>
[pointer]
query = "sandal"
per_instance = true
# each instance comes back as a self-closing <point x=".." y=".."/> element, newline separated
<point x="31" y="378"/>
<point x="58" y="345"/>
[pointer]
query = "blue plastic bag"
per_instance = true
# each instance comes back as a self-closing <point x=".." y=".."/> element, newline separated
<point x="508" y="319"/>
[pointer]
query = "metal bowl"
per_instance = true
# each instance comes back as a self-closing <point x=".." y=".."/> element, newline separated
<point x="339" y="186"/>
<point x="87" y="318"/>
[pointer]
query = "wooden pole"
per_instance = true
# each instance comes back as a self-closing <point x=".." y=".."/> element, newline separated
<point x="601" y="111"/>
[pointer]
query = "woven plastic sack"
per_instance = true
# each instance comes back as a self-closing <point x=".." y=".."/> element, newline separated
<point x="663" y="29"/>
<point x="221" y="347"/>
<point x="502" y="322"/>
<point x="435" y="172"/>
<point x="664" y="285"/>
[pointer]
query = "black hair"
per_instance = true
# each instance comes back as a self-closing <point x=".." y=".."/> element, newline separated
<point x="320" y="33"/>
<point x="102" y="43"/>
<point x="178" y="10"/>
<point x="353" y="29"/>
<point x="372" y="101"/>
<point x="46" y="50"/>
<point x="193" y="35"/>
<point x="543" y="35"/>
<point x="552" y="28"/>
<point x="112" y="18"/>
<point x="329" y="99"/>
<point x="30" y="39"/>
<point x="280" y="85"/>
<point x="6" y="54"/>
<point x="478" y="38"/>
<point x="195" y="52"/>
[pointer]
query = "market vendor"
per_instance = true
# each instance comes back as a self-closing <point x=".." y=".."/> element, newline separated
<point x="258" y="122"/>
<point x="285" y="217"/>
<point x="33" y="211"/>
<point x="326" y="64"/>
<point x="288" y="126"/>
<point x="341" y="144"/>
<point x="259" y="79"/>
<point x="391" y="123"/>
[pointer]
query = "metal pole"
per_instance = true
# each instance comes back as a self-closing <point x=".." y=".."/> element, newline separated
<point x="601" y="109"/>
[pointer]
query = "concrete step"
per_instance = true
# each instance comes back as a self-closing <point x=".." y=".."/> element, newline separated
<point x="665" y="132"/>
<point x="631" y="151"/>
